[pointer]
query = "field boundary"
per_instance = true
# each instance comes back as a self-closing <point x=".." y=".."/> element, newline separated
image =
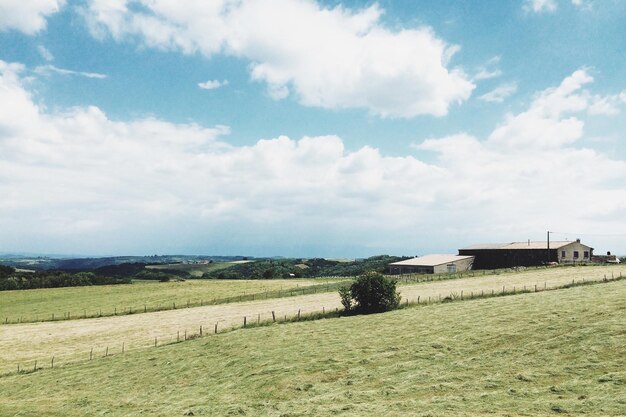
<point x="145" y="308"/>
<point x="254" y="321"/>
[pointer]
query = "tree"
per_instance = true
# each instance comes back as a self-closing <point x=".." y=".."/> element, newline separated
<point x="6" y="271"/>
<point x="371" y="292"/>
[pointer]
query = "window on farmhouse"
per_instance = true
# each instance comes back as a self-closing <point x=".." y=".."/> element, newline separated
<point x="586" y="254"/>
<point x="575" y="254"/>
<point x="562" y="254"/>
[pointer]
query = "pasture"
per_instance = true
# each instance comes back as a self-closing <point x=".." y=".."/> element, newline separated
<point x="73" y="340"/>
<point x="539" y="354"/>
<point x="48" y="304"/>
<point x="195" y="270"/>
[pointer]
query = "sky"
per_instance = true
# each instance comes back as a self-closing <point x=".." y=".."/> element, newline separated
<point x="310" y="128"/>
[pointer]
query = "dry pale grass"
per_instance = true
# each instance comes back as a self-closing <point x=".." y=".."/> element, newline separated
<point x="74" y="339"/>
<point x="106" y="300"/>
<point x="535" y="354"/>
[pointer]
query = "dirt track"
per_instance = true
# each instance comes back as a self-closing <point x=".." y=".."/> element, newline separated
<point x="73" y="340"/>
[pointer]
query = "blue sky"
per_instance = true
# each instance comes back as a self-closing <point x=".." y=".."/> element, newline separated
<point x="310" y="128"/>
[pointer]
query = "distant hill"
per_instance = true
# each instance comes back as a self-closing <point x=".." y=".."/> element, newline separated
<point x="86" y="264"/>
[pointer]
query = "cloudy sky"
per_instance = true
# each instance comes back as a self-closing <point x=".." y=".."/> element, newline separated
<point x="309" y="127"/>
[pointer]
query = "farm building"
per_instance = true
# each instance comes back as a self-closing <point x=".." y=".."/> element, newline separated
<point x="432" y="264"/>
<point x="507" y="255"/>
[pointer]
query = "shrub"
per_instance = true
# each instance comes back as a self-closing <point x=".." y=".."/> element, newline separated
<point x="371" y="292"/>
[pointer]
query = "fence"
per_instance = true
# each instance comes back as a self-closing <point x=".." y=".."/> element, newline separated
<point x="174" y="305"/>
<point x="251" y="321"/>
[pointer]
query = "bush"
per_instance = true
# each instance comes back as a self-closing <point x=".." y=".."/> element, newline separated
<point x="371" y="292"/>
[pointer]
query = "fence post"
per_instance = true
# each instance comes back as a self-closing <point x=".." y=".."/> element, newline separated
<point x="91" y="354"/>
<point x="52" y="363"/>
<point x="122" y="347"/>
<point x="35" y="367"/>
<point x="258" y="319"/>
<point x="273" y="316"/>
<point x="200" y="331"/>
<point x="178" y="335"/>
<point x="106" y="352"/>
<point x="244" y="321"/>
<point x="298" y="314"/>
<point x="155" y="342"/>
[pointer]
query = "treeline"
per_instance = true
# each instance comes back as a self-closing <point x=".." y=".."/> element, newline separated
<point x="302" y="268"/>
<point x="10" y="279"/>
<point x="137" y="270"/>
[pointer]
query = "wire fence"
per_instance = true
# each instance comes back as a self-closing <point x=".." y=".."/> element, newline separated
<point x="274" y="317"/>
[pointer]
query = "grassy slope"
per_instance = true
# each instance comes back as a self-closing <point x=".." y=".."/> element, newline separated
<point x="195" y="270"/>
<point x="532" y="354"/>
<point x="42" y="303"/>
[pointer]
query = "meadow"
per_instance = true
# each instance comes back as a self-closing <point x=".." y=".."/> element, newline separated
<point x="539" y="354"/>
<point x="75" y="340"/>
<point x="48" y="304"/>
<point x="195" y="270"/>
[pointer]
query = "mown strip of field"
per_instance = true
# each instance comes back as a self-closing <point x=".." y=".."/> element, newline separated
<point x="73" y="340"/>
<point x="53" y="304"/>
<point x="539" y="354"/>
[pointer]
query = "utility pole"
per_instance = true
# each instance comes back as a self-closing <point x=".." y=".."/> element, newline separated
<point x="548" y="246"/>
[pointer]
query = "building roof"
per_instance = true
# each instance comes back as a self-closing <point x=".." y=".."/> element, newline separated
<point x="523" y="245"/>
<point x="431" y="260"/>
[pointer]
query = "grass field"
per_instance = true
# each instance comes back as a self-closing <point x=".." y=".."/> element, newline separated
<point x="106" y="300"/>
<point x="535" y="354"/>
<point x="196" y="270"/>
<point x="72" y="340"/>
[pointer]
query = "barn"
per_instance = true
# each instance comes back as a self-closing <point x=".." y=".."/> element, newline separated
<point x="530" y="253"/>
<point x="432" y="264"/>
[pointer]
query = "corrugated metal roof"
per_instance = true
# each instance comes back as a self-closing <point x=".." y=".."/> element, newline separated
<point x="522" y="245"/>
<point x="431" y="260"/>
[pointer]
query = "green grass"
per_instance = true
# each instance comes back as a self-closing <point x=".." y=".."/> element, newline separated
<point x="536" y="354"/>
<point x="195" y="270"/>
<point x="106" y="300"/>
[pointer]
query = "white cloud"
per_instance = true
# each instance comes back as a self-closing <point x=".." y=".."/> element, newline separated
<point x="47" y="69"/>
<point x="327" y="57"/>
<point x="489" y="69"/>
<point x="605" y="105"/>
<point x="501" y="92"/>
<point x="45" y="53"/>
<point x="77" y="181"/>
<point x="28" y="16"/>
<point x="544" y="124"/>
<point x="539" y="6"/>
<point x="212" y="84"/>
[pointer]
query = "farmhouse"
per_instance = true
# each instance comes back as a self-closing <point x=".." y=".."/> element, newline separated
<point x="431" y="264"/>
<point x="507" y="255"/>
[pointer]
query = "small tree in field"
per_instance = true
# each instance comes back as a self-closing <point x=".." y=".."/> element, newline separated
<point x="370" y="293"/>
